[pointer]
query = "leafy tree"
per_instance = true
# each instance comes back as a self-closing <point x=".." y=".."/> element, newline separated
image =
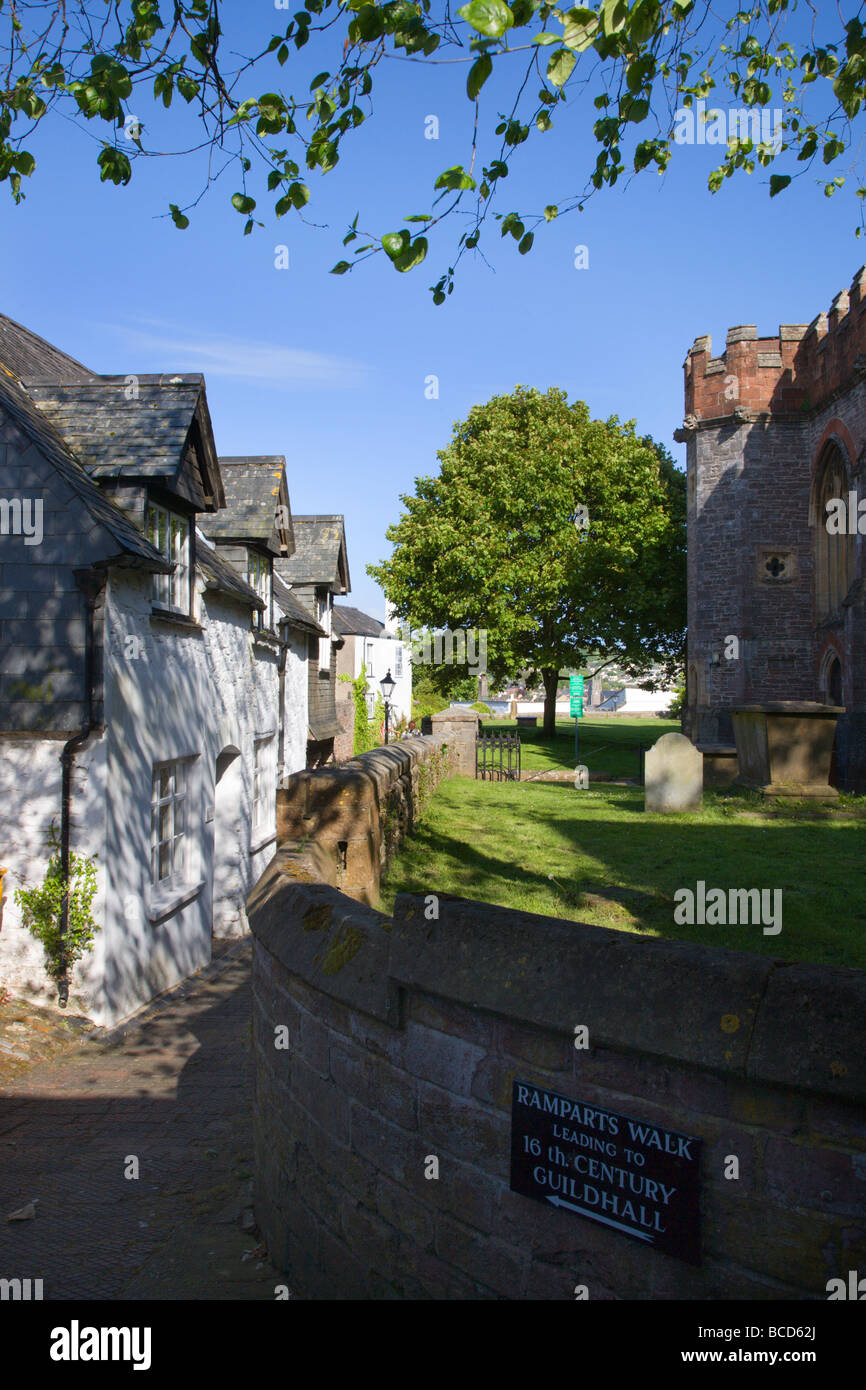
<point x="427" y="698"/>
<point x="556" y="533"/>
<point x="646" y="65"/>
<point x="446" y="679"/>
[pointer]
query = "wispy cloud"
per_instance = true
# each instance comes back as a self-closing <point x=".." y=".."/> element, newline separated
<point x="169" y="349"/>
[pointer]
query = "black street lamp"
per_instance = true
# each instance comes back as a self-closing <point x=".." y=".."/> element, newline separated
<point x="387" y="684"/>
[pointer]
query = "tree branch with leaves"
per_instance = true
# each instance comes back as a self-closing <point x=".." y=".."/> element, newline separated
<point x="105" y="66"/>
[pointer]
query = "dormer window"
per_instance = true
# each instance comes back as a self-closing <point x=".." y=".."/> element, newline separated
<point x="168" y="533"/>
<point x="258" y="576"/>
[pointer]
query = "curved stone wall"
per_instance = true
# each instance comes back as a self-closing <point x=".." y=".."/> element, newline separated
<point x="385" y="1056"/>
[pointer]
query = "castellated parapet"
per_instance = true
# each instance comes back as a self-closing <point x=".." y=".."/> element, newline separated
<point x="800" y="369"/>
<point x="776" y="605"/>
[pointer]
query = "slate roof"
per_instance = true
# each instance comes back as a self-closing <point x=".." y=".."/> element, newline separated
<point x="352" y="622"/>
<point x="26" y="354"/>
<point x="297" y="615"/>
<point x="320" y="554"/>
<point x="133" y="546"/>
<point x="219" y="574"/>
<point x="254" y="488"/>
<point x="143" y="437"/>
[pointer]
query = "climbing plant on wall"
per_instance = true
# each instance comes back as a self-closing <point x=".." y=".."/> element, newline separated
<point x="42" y="909"/>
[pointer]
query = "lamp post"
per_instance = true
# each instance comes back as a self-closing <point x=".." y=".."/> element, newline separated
<point x="386" y="685"/>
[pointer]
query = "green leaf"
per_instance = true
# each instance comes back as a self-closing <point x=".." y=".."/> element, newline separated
<point x="634" y="109"/>
<point x="526" y="243"/>
<point x="545" y="38"/>
<point x="581" y="29"/>
<point x="560" y="67"/>
<point x="543" y="121"/>
<point x="488" y="17"/>
<point x="114" y="164"/>
<point x="645" y="19"/>
<point x="455" y="178"/>
<point x="550" y="212"/>
<point x="478" y="75"/>
<point x="395" y="243"/>
<point x="178" y="217"/>
<point x="242" y="203"/>
<point x="512" y="224"/>
<point x="778" y="182"/>
<point x="369" y="25"/>
<point x="340" y="268"/>
<point x="613" y="16"/>
<point x="413" y="255"/>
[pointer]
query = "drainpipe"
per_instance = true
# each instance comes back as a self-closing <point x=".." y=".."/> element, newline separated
<point x="91" y="585"/>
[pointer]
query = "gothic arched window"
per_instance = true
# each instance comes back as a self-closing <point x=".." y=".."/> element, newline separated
<point x="834" y="551"/>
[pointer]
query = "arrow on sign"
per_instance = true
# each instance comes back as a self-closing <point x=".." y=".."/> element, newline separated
<point x="596" y="1216"/>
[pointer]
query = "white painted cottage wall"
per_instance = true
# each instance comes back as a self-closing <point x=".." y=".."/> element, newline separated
<point x="169" y="693"/>
<point x="186" y="695"/>
<point x="30" y="798"/>
<point x="382" y="650"/>
<point x="296" y="702"/>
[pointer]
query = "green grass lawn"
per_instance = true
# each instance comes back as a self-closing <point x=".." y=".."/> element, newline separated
<point x="614" y="865"/>
<point x="603" y="744"/>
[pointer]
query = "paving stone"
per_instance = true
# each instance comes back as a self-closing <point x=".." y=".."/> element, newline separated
<point x="173" y="1087"/>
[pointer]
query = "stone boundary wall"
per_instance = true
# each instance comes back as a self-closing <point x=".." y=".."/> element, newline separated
<point x="341" y="824"/>
<point x="401" y="1040"/>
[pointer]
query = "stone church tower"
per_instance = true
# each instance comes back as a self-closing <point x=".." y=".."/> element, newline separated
<point x="776" y="429"/>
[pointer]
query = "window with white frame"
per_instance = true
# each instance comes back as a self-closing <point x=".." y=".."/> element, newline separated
<point x="398" y="661"/>
<point x="168" y="823"/>
<point x="368" y="658"/>
<point x="324" y="614"/>
<point x="263" y="782"/>
<point x="169" y="534"/>
<point x="258" y="577"/>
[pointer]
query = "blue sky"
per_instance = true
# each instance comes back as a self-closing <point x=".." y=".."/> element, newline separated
<point x="331" y="371"/>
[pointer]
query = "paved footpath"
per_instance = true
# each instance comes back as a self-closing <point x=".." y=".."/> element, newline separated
<point x="173" y="1090"/>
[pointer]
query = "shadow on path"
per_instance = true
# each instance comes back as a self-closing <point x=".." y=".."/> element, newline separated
<point x="173" y="1090"/>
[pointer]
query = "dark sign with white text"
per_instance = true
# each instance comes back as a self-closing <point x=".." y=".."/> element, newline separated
<point x="632" y="1176"/>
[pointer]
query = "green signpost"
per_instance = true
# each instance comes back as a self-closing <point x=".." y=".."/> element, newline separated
<point x="575" y="692"/>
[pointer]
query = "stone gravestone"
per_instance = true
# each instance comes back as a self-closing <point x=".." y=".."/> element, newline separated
<point x="581" y="775"/>
<point x="674" y="775"/>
